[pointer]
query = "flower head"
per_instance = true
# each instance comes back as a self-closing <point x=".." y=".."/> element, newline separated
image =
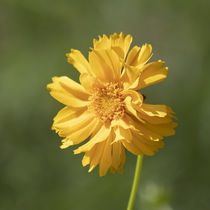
<point x="106" y="105"/>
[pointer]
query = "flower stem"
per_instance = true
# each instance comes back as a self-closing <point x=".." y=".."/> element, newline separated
<point x="135" y="182"/>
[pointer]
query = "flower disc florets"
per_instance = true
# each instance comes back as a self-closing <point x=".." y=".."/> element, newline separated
<point x="107" y="102"/>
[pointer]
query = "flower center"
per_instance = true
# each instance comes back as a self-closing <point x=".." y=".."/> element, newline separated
<point x="107" y="102"/>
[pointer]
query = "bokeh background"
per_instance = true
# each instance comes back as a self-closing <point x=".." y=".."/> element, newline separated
<point x="34" y="37"/>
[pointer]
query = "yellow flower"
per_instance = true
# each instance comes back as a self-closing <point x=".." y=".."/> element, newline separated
<point x="107" y="107"/>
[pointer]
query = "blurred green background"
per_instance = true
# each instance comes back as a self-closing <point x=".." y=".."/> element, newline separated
<point x="34" y="37"/>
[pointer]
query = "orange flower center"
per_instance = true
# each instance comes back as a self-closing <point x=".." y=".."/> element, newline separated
<point x="107" y="102"/>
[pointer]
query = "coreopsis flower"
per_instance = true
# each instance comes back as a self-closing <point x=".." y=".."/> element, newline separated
<point x="107" y="106"/>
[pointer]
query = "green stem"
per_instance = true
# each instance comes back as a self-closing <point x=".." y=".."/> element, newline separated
<point x="135" y="182"/>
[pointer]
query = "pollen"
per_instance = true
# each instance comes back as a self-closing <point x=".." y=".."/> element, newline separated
<point x="107" y="102"/>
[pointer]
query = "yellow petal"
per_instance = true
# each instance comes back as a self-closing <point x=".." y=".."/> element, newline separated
<point x="67" y="113"/>
<point x="123" y="157"/>
<point x="68" y="92"/>
<point x="152" y="73"/>
<point x="154" y="110"/>
<point x="155" y="114"/>
<point x="124" y="122"/>
<point x="134" y="97"/>
<point x="116" y="154"/>
<point x="68" y="99"/>
<point x="154" y="132"/>
<point x="106" y="159"/>
<point x="143" y="129"/>
<point x="139" y="56"/>
<point x="105" y="64"/>
<point x="166" y="129"/>
<point x="144" y="122"/>
<point x="145" y="54"/>
<point x="102" y="43"/>
<point x="148" y="147"/>
<point x="87" y="81"/>
<point x="118" y="157"/>
<point x="133" y="56"/>
<point x="121" y="134"/>
<point x="72" y="87"/>
<point x="89" y="156"/>
<point x="132" y="147"/>
<point x="76" y="58"/>
<point x="130" y="77"/>
<point x="79" y="135"/>
<point x="147" y="133"/>
<point x="95" y="155"/>
<point x="118" y="42"/>
<point x="140" y="145"/>
<point x="100" y="136"/>
<point x="70" y="126"/>
<point x="131" y="109"/>
<point x="146" y="150"/>
<point x="121" y="44"/>
<point x="153" y="144"/>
